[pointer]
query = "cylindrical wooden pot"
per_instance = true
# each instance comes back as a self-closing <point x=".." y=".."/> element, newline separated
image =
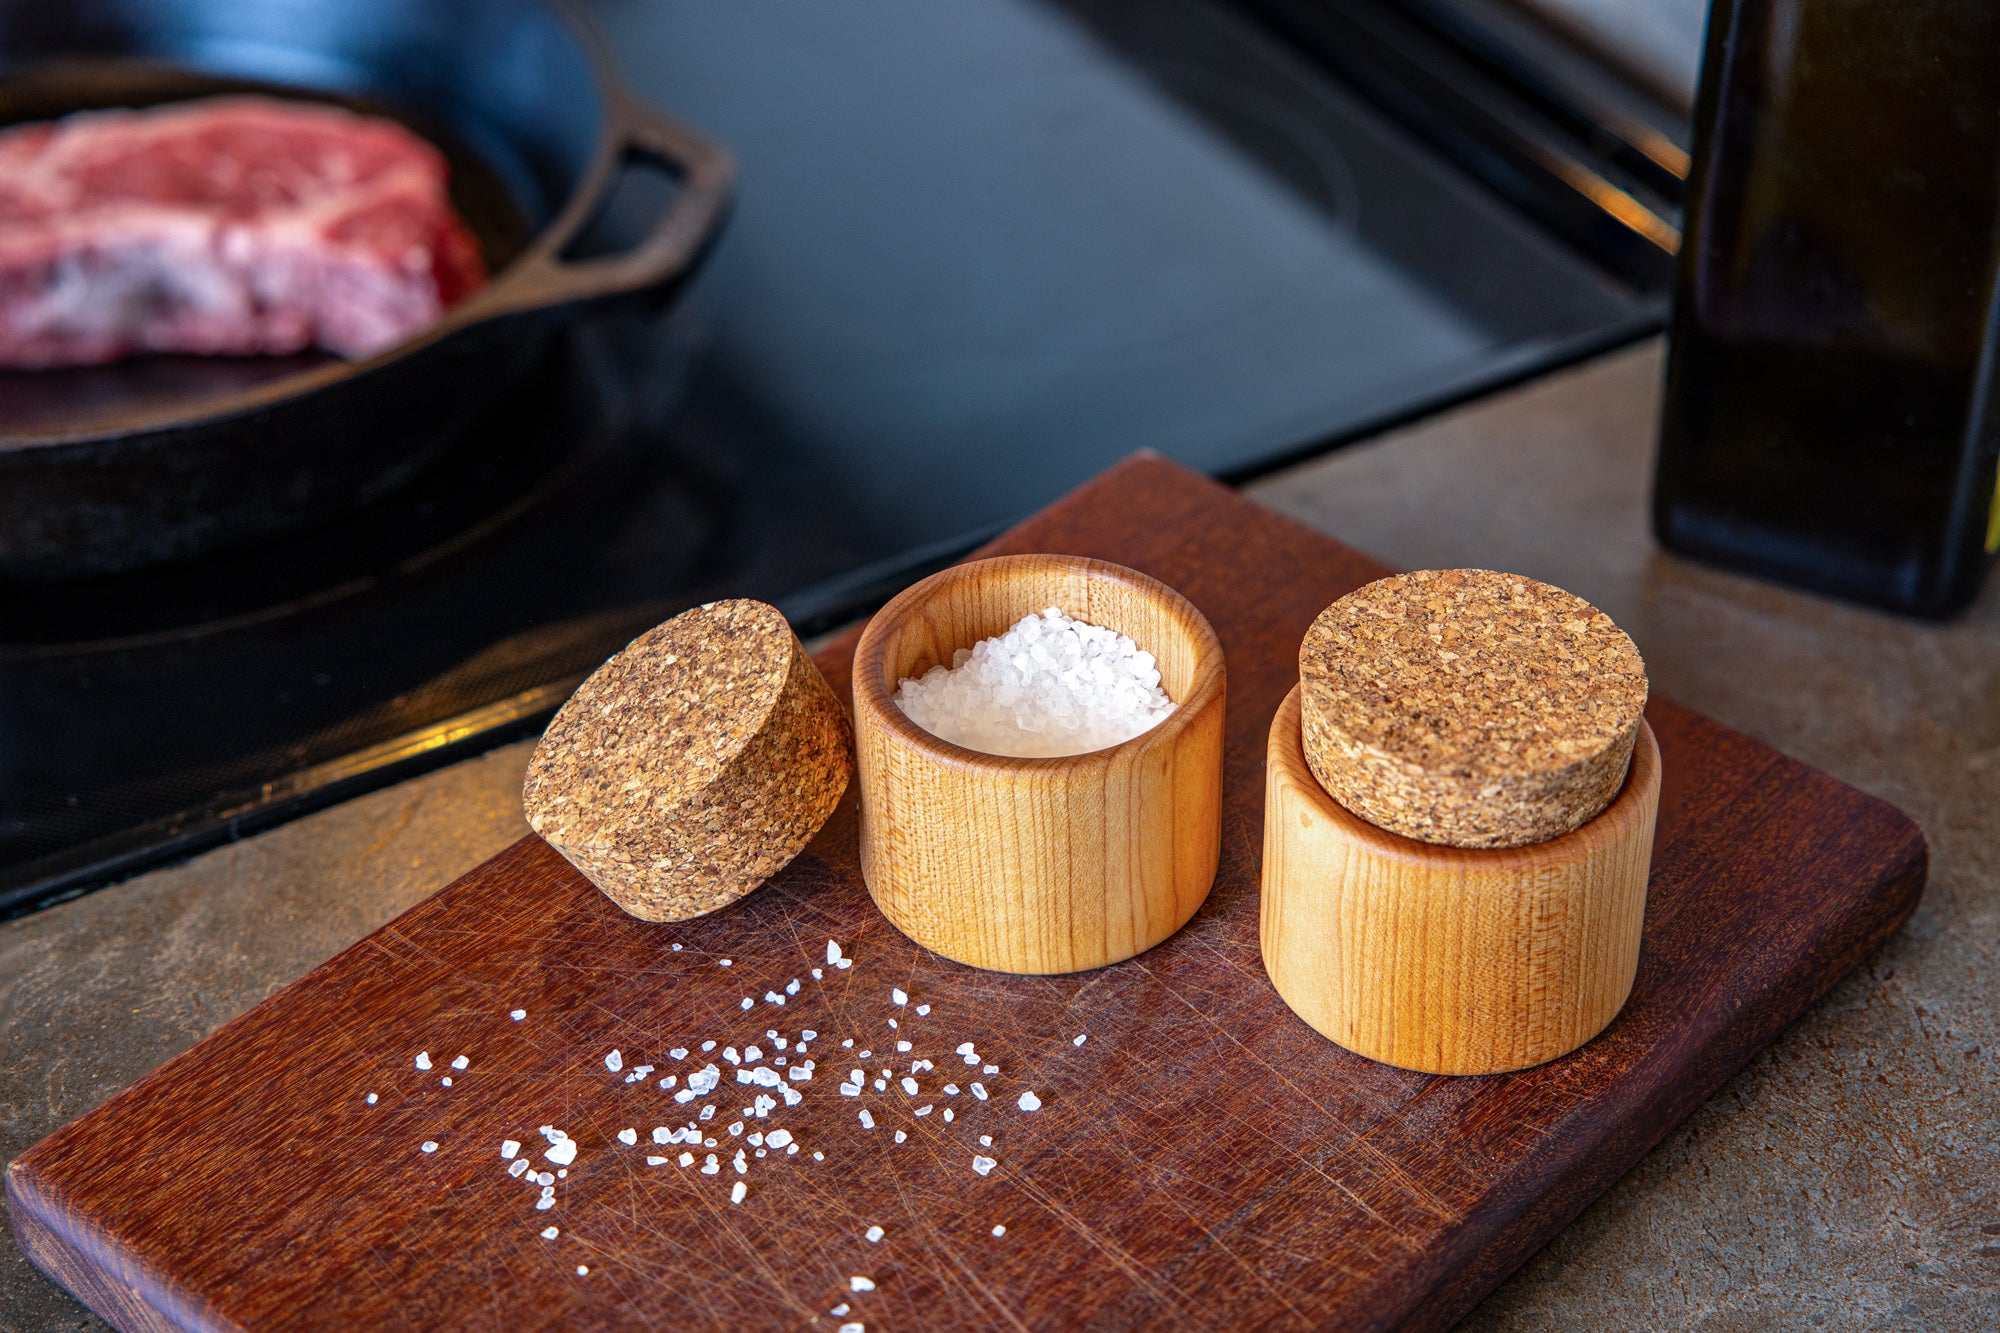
<point x="1450" y="960"/>
<point x="1038" y="865"/>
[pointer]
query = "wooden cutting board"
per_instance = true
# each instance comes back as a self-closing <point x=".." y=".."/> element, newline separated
<point x="1202" y="1159"/>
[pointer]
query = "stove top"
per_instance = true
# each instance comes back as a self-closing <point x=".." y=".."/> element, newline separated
<point x="980" y="252"/>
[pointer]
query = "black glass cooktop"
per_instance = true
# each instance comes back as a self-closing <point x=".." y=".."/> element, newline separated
<point x="980" y="251"/>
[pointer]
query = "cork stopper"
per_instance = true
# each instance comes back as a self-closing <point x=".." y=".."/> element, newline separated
<point x="1468" y="707"/>
<point x="693" y="765"/>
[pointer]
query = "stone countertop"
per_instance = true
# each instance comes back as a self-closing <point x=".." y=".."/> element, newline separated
<point x="1849" y="1178"/>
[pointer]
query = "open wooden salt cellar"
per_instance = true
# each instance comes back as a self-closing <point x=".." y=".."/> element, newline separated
<point x="1038" y="865"/>
<point x="1458" y="827"/>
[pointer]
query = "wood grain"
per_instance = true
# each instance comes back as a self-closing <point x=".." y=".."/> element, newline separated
<point x="1039" y="865"/>
<point x="1443" y="959"/>
<point x="1204" y="1160"/>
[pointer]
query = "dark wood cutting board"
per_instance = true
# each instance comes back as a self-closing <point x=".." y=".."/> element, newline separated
<point x="1203" y="1159"/>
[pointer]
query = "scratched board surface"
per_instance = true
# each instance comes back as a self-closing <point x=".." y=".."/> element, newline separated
<point x="1201" y="1158"/>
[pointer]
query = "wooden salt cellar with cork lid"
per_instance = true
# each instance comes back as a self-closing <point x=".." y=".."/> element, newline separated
<point x="1458" y="825"/>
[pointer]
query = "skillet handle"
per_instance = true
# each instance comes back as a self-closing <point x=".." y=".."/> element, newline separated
<point x="541" y="279"/>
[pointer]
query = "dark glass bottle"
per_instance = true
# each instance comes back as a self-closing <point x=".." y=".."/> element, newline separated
<point x="1831" y="417"/>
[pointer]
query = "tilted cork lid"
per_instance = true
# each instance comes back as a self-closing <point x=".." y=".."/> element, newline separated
<point x="693" y="765"/>
<point x="1468" y="707"/>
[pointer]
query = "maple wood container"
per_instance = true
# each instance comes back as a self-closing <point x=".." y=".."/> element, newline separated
<point x="1450" y="960"/>
<point x="1050" y="864"/>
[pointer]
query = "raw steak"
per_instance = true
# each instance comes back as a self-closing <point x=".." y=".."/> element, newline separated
<point x="233" y="225"/>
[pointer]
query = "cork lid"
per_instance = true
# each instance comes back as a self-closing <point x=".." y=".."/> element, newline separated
<point x="693" y="765"/>
<point x="1468" y="707"/>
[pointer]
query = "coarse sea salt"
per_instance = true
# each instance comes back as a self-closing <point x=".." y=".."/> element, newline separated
<point x="983" y="1164"/>
<point x="861" y="1284"/>
<point x="1000" y="1229"/>
<point x="1029" y="1102"/>
<point x="1048" y="686"/>
<point x="518" y="1014"/>
<point x="875" y="1233"/>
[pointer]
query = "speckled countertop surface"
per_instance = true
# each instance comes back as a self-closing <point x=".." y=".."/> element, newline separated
<point x="1848" y="1179"/>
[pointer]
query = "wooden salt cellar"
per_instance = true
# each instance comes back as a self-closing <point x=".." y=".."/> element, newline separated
<point x="1048" y="864"/>
<point x="693" y="765"/>
<point x="1471" y="902"/>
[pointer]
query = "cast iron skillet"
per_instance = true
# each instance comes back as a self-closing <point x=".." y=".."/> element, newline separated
<point x="160" y="458"/>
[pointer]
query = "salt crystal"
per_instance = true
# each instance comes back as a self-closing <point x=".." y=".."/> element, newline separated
<point x="547" y="1182"/>
<point x="545" y="1202"/>
<point x="903" y="1047"/>
<point x="867" y="1120"/>
<point x="675" y="947"/>
<point x="1049" y="686"/>
<point x="909" y="1086"/>
<point x="628" y="1137"/>
<point x="900" y="1136"/>
<point x="1000" y="1229"/>
<point x="679" y="1052"/>
<point x="562" y="1154"/>
<point x="881" y="1085"/>
<point x="655" y="1161"/>
<point x="832" y="952"/>
<point x="951" y="1089"/>
<point x="520" y="1165"/>
<point x="778" y="1138"/>
<point x="818" y="975"/>
<point x="430" y="1145"/>
<point x="423" y="1059"/>
<point x="850" y="1089"/>
<point x="460" y="1063"/>
<point x="370" y="1099"/>
<point x="708" y="1046"/>
<point x="839" y="1310"/>
<point x="550" y="1233"/>
<point x="583" y="1270"/>
<point x="711" y="1166"/>
<point x="729" y="1054"/>
<point x="772" y="997"/>
<point x="737" y="1191"/>
<point x="924" y="1009"/>
<point x="963" y="1048"/>
<point x="947" y="1115"/>
<point x="844" y="964"/>
<point x="925" y="1109"/>
<point x="860" y="1284"/>
<point x="736" y="1130"/>
<point x="446" y="1080"/>
<point x="986" y="1140"/>
<point x="1029" y="1102"/>
<point x="892" y="1023"/>
<point x="875" y="1234"/>
<point x="979" y="1091"/>
<point x="792" y="987"/>
<point x="1079" y="1039"/>
<point x="809" y="1035"/>
<point x="670" y="1080"/>
<point x="518" y="1014"/>
<point x="853" y="1327"/>
<point x="508" y="1147"/>
<point x="983" y="1164"/>
<point x="819" y="1156"/>
<point x="725" y="962"/>
<point x="990" y="1069"/>
<point x="866" y="1054"/>
<point x="686" y="1159"/>
<point x="899" y="996"/>
<point x="748" y="1002"/>
<point x="752" y="1053"/>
